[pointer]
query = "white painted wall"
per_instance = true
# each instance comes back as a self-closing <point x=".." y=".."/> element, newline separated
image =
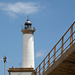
<point x="28" y="51"/>
<point x="20" y="73"/>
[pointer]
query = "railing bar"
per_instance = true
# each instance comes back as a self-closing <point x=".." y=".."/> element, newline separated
<point x="66" y="32"/>
<point x="57" y="50"/>
<point x="48" y="60"/>
<point x="39" y="69"/>
<point x="64" y="43"/>
<point x="45" y="58"/>
<point x="44" y="66"/>
<point x="68" y="38"/>
<point x="68" y="45"/>
<point x="59" y="54"/>
<point x="54" y="53"/>
<point x="36" y="71"/>
<point x="63" y="50"/>
<point x="71" y="38"/>
<point x="59" y="40"/>
<point x="69" y="29"/>
<point x="60" y="47"/>
<point x="51" y="62"/>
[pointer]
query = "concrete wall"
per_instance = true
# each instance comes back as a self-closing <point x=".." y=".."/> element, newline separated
<point x="20" y="73"/>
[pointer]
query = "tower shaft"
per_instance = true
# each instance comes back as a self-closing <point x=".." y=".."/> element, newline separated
<point x="28" y="51"/>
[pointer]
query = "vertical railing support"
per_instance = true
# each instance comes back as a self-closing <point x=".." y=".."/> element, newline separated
<point x="36" y="71"/>
<point x="48" y="60"/>
<point x="39" y="69"/>
<point x="71" y="38"/>
<point x="44" y="66"/>
<point x="62" y="44"/>
<point x="54" y="54"/>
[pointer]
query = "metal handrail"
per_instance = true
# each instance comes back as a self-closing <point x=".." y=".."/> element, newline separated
<point x="54" y="57"/>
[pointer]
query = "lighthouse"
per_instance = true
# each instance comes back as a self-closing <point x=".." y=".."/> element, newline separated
<point x="28" y="52"/>
<point x="28" y="45"/>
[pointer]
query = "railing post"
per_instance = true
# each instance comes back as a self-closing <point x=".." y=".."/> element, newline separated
<point x="36" y="71"/>
<point x="48" y="60"/>
<point x="44" y="66"/>
<point x="62" y="44"/>
<point x="54" y="54"/>
<point x="71" y="38"/>
<point x="39" y="69"/>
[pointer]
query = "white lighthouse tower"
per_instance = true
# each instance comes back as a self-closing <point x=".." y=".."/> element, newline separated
<point x="28" y="45"/>
<point x="28" y="52"/>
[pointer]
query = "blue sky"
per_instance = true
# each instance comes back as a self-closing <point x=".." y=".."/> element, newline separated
<point x="50" y="17"/>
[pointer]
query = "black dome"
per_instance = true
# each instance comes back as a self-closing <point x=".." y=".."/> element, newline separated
<point x="28" y="22"/>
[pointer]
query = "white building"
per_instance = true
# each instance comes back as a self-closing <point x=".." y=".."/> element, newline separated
<point x="28" y="52"/>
